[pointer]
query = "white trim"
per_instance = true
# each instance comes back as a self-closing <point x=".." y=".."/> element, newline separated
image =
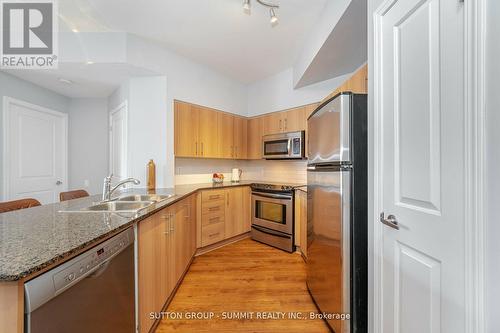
<point x="7" y="101"/>
<point x="475" y="106"/>
<point x="475" y="147"/>
<point x="123" y="105"/>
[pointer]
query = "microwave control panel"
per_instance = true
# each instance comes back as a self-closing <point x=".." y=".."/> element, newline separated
<point x="296" y="146"/>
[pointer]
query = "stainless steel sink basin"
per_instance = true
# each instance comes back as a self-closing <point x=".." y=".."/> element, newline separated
<point x="145" y="197"/>
<point x="118" y="206"/>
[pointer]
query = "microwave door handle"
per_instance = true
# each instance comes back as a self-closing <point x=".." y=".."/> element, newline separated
<point x="289" y="148"/>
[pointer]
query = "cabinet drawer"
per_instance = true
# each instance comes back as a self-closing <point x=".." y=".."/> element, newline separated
<point x="211" y="196"/>
<point x="214" y="218"/>
<point x="212" y="234"/>
<point x="216" y="207"/>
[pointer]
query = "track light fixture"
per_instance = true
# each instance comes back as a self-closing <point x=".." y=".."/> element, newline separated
<point x="271" y="6"/>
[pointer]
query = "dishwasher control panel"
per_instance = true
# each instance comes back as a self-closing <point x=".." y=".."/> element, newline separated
<point x="91" y="261"/>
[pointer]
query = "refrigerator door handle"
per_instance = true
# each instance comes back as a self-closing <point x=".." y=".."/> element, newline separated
<point x="390" y="221"/>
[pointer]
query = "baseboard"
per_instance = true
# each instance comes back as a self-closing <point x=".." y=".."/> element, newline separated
<point x="208" y="248"/>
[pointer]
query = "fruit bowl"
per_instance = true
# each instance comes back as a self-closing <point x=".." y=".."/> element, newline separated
<point x="218" y="178"/>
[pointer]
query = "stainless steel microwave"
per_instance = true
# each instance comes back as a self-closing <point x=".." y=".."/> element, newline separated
<point x="284" y="146"/>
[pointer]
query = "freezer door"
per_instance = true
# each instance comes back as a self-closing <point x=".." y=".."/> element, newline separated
<point x="329" y="132"/>
<point x="328" y="248"/>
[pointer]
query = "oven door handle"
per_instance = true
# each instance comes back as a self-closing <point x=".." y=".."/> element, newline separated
<point x="272" y="196"/>
<point x="270" y="232"/>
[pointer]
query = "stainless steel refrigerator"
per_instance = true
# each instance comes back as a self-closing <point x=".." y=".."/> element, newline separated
<point x="337" y="192"/>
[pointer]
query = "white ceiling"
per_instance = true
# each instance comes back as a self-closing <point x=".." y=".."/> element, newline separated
<point x="89" y="81"/>
<point x="213" y="32"/>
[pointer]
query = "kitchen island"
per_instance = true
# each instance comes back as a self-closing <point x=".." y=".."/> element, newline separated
<point x="37" y="239"/>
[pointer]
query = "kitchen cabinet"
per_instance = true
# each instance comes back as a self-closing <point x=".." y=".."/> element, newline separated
<point x="225" y="213"/>
<point x="225" y="135"/>
<point x="166" y="244"/>
<point x="208" y="133"/>
<point x="357" y="83"/>
<point x="240" y="137"/>
<point x="237" y="212"/>
<point x="186" y="130"/>
<point x="272" y="123"/>
<point x="194" y="131"/>
<point x="254" y="138"/>
<point x="207" y="129"/>
<point x="301" y="221"/>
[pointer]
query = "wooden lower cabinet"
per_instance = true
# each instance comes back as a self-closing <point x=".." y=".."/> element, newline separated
<point x="166" y="244"/>
<point x="301" y="221"/>
<point x="224" y="214"/>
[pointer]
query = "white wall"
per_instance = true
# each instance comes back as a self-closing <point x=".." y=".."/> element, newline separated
<point x="88" y="144"/>
<point x="14" y="87"/>
<point x="493" y="166"/>
<point x="150" y="129"/>
<point x="277" y="93"/>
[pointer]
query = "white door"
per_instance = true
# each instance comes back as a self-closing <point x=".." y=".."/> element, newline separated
<point x="118" y="141"/>
<point x="419" y="98"/>
<point x="35" y="164"/>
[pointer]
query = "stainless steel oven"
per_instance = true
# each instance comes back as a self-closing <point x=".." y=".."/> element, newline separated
<point x="272" y="217"/>
<point x="284" y="146"/>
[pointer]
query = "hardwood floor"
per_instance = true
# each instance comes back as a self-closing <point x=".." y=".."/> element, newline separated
<point x="246" y="277"/>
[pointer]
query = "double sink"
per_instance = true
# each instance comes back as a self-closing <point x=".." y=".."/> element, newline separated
<point x="126" y="204"/>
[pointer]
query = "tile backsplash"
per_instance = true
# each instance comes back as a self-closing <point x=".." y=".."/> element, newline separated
<point x="192" y="170"/>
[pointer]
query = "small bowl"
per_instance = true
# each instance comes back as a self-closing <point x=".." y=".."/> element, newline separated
<point x="218" y="180"/>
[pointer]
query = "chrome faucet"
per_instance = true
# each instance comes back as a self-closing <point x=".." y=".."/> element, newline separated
<point x="107" y="190"/>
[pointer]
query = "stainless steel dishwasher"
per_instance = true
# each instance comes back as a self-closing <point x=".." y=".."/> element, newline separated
<point x="93" y="292"/>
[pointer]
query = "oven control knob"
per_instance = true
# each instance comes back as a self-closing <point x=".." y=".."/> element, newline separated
<point x="71" y="276"/>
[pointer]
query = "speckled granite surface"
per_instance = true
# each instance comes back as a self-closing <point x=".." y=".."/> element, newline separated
<point x="34" y="238"/>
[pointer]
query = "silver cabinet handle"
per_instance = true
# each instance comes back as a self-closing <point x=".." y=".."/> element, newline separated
<point x="285" y="124"/>
<point x="390" y="221"/>
<point x="280" y="124"/>
<point x="202" y="149"/>
<point x="166" y="217"/>
<point x="172" y="222"/>
<point x="236" y="151"/>
<point x="196" y="146"/>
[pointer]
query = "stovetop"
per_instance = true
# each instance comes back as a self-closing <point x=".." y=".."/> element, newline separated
<point x="274" y="188"/>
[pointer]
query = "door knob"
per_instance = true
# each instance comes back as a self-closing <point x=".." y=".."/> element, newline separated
<point x="390" y="221"/>
<point x="58" y="182"/>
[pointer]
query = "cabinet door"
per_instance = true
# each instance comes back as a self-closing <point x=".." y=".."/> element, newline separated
<point x="254" y="141"/>
<point x="179" y="245"/>
<point x="247" y="209"/>
<point x="153" y="263"/>
<point x="186" y="130"/>
<point x="294" y="120"/>
<point x="273" y="123"/>
<point x="240" y="137"/>
<point x="225" y="135"/>
<point x="358" y="83"/>
<point x="235" y="221"/>
<point x="207" y="132"/>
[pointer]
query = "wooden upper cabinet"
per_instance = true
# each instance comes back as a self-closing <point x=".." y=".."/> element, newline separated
<point x="272" y="123"/>
<point x="240" y="137"/>
<point x="185" y="130"/>
<point x="207" y="132"/>
<point x="254" y="141"/>
<point x="357" y="83"/>
<point x="294" y="120"/>
<point x="225" y="135"/>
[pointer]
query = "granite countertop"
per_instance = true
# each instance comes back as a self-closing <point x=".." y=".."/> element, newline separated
<point x="35" y="238"/>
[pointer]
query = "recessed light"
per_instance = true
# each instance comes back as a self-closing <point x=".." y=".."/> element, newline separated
<point x="75" y="30"/>
<point x="63" y="80"/>
<point x="90" y="62"/>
